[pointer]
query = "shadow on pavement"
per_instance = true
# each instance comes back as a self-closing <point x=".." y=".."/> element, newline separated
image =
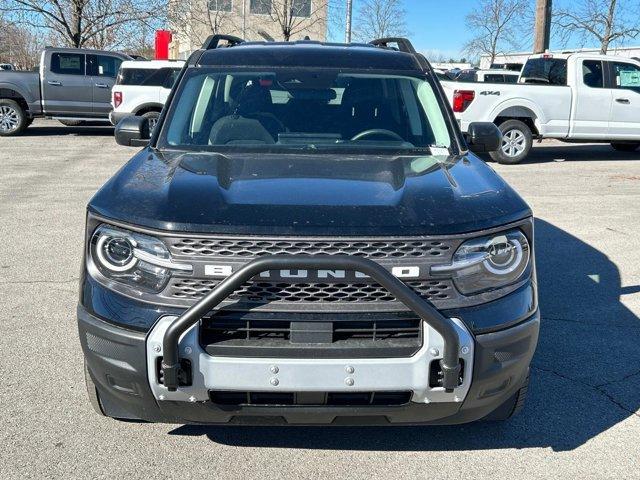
<point x="585" y="376"/>
<point x="85" y="130"/>
<point x="571" y="152"/>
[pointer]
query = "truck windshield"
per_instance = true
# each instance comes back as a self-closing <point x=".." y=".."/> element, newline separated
<point x="550" y="71"/>
<point x="293" y="109"/>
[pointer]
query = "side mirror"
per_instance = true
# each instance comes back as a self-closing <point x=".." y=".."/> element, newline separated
<point x="483" y="137"/>
<point x="133" y="132"/>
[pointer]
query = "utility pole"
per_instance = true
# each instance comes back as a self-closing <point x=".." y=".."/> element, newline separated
<point x="543" y="26"/>
<point x="347" y="32"/>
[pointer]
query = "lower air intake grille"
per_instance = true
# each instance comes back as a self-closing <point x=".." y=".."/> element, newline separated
<point x="281" y="335"/>
<point x="309" y="398"/>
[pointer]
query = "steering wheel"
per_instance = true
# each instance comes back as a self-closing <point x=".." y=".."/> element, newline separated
<point x="377" y="131"/>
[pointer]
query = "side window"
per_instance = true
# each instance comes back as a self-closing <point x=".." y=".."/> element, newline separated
<point x="626" y="75"/>
<point x="105" y="66"/>
<point x="494" y="78"/>
<point x="592" y="73"/>
<point x="511" y="79"/>
<point x="67" y="63"/>
<point x="171" y="78"/>
<point x="467" y="77"/>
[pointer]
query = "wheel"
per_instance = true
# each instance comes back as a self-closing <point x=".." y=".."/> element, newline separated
<point x="153" y="119"/>
<point x="511" y="407"/>
<point x="517" y="141"/>
<point x="92" y="392"/>
<point x="625" y="147"/>
<point x="13" y="119"/>
<point x="71" y="123"/>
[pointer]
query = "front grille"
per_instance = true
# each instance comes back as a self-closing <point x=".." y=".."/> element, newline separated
<point x="287" y="335"/>
<point x="256" y="247"/>
<point x="264" y="292"/>
<point x="310" y="399"/>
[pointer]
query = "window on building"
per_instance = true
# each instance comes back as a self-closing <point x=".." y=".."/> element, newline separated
<point x="260" y="6"/>
<point x="592" y="75"/>
<point x="220" y="5"/>
<point x="302" y="8"/>
<point x="626" y="75"/>
<point x="67" y="63"/>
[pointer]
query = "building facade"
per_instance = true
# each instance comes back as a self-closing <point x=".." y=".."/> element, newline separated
<point x="192" y="21"/>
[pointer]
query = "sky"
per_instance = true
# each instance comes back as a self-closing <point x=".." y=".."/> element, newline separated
<point x="438" y="25"/>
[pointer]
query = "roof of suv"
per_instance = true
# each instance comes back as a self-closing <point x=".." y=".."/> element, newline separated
<point x="310" y="54"/>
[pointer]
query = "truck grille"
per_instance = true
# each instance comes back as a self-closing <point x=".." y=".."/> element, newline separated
<point x="263" y="292"/>
<point x="225" y="247"/>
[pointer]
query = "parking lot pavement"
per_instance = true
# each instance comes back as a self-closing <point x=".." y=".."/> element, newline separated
<point x="582" y="419"/>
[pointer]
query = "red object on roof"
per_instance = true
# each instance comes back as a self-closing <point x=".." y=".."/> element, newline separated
<point x="163" y="39"/>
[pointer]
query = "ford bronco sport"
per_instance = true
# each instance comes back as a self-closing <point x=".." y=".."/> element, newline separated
<point x="307" y="239"/>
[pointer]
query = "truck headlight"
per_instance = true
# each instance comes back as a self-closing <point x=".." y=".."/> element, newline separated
<point x="137" y="260"/>
<point x="488" y="263"/>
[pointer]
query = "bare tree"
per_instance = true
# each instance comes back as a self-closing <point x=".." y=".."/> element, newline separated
<point x="293" y="17"/>
<point x="379" y="19"/>
<point x="19" y="46"/>
<point x="80" y="23"/>
<point x="498" y="25"/>
<point x="603" y="20"/>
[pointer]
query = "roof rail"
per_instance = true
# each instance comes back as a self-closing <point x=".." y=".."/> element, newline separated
<point x="213" y="41"/>
<point x="403" y="44"/>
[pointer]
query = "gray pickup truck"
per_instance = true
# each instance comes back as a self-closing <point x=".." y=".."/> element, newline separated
<point x="73" y="85"/>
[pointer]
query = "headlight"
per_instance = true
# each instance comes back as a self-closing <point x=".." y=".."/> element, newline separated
<point x="132" y="258"/>
<point x="488" y="263"/>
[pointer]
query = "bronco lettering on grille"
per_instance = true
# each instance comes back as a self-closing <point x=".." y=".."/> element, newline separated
<point x="223" y="271"/>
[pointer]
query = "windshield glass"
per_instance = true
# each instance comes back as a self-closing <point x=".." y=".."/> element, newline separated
<point x="293" y="109"/>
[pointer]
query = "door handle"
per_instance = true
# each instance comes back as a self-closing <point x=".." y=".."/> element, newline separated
<point x="624" y="101"/>
<point x="55" y="83"/>
<point x="102" y="85"/>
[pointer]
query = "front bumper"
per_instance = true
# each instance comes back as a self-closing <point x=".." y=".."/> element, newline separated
<point x="118" y="362"/>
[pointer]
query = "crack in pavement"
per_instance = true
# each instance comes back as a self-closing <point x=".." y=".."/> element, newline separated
<point x="597" y="388"/>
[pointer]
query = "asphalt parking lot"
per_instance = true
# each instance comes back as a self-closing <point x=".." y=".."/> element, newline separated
<point x="582" y="419"/>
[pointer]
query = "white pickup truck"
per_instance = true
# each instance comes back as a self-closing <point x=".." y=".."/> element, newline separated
<point x="576" y="97"/>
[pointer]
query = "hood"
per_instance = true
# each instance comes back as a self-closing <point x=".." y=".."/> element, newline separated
<point x="316" y="194"/>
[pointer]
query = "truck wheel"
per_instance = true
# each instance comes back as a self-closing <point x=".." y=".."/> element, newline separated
<point x="13" y="119"/>
<point x="517" y="141"/>
<point x="625" y="147"/>
<point x="71" y="123"/>
<point x="152" y="119"/>
<point x="92" y="392"/>
<point x="511" y="407"/>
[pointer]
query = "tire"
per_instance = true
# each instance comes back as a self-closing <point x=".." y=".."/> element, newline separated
<point x="92" y="392"/>
<point x="71" y="123"/>
<point x="511" y="407"/>
<point x="516" y="142"/>
<point x="153" y="119"/>
<point x="13" y="118"/>
<point x="625" y="147"/>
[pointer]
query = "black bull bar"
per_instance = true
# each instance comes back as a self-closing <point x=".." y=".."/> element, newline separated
<point x="449" y="363"/>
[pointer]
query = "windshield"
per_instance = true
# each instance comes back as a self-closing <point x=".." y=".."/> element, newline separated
<point x="293" y="109"/>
